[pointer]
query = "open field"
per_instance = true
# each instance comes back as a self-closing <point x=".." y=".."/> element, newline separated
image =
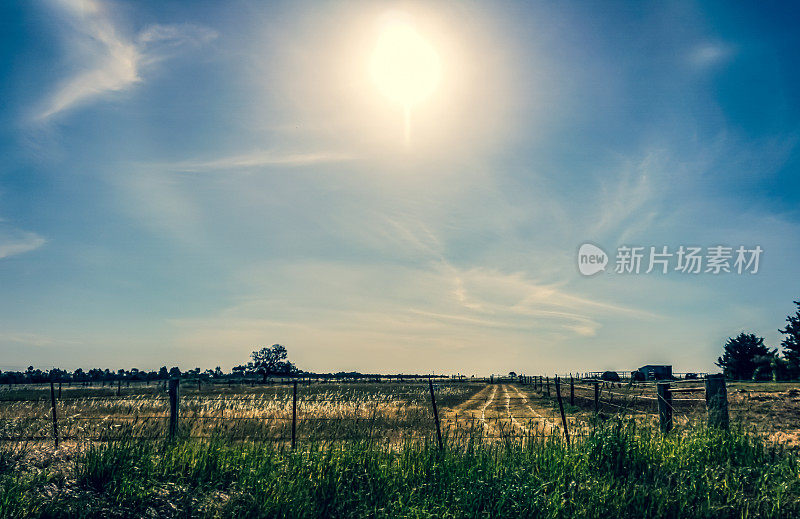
<point x="369" y="449"/>
<point x="376" y="411"/>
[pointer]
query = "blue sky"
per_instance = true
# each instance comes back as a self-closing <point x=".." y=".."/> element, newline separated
<point x="184" y="181"/>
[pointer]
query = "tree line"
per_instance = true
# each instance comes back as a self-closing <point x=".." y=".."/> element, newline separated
<point x="746" y="357"/>
<point x="265" y="362"/>
<point x="268" y="361"/>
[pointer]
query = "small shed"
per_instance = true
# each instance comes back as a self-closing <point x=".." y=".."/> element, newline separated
<point x="656" y="372"/>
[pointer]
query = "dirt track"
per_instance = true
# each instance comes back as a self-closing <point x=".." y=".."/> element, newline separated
<point x="503" y="409"/>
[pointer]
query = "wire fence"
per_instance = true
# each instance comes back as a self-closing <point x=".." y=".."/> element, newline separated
<point x="309" y="411"/>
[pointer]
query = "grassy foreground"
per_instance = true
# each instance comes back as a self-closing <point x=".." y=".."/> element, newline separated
<point x="614" y="472"/>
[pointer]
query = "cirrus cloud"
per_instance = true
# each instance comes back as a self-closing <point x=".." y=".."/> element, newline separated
<point x="14" y="242"/>
<point x="111" y="61"/>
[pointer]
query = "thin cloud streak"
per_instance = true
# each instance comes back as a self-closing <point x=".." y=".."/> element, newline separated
<point x="35" y="339"/>
<point x="710" y="53"/>
<point x="113" y="62"/>
<point x="254" y="160"/>
<point x="14" y="242"/>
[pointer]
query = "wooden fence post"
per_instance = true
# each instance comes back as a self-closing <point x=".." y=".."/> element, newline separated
<point x="571" y="390"/>
<point x="294" y="414"/>
<point x="436" y="415"/>
<point x="119" y="387"/>
<point x="561" y="408"/>
<point x="174" y="386"/>
<point x="596" y="397"/>
<point x="59" y="390"/>
<point x="548" y="386"/>
<point x="717" y="401"/>
<point x="664" y="407"/>
<point x="55" y="419"/>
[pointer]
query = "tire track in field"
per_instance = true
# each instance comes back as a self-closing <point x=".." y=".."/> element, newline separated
<point x="525" y="402"/>
<point x="474" y="411"/>
<point x="514" y="421"/>
<point x="487" y="405"/>
<point x="474" y="399"/>
<point x="501" y="410"/>
<point x="488" y="402"/>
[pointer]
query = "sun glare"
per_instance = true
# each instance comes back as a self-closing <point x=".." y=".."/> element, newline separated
<point x="404" y="66"/>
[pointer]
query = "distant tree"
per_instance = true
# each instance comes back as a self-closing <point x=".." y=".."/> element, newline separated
<point x="57" y="374"/>
<point x="163" y="373"/>
<point x="743" y="354"/>
<point x="218" y="372"/>
<point x="791" y="343"/>
<point x="271" y="361"/>
<point x="174" y="372"/>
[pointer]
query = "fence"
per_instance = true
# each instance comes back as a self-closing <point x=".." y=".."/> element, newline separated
<point x="304" y="410"/>
<point x="663" y="404"/>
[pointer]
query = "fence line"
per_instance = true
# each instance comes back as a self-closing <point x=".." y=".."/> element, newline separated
<point x="182" y="414"/>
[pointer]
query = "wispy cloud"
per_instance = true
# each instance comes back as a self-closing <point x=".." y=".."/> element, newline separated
<point x="366" y="316"/>
<point x="111" y="61"/>
<point x="255" y="159"/>
<point x="709" y="53"/>
<point x="35" y="339"/>
<point x="628" y="203"/>
<point x="14" y="242"/>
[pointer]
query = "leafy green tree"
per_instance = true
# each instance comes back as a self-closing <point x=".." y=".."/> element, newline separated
<point x="744" y="354"/>
<point x="791" y="343"/>
<point x="271" y="361"/>
<point x="765" y="368"/>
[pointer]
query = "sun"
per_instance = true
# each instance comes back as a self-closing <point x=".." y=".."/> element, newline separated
<point x="404" y="66"/>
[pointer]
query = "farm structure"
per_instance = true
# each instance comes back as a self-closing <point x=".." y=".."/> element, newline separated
<point x="656" y="372"/>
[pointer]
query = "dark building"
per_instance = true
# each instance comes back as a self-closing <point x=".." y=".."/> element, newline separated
<point x="656" y="372"/>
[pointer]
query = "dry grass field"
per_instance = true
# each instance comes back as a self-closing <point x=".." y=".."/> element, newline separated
<point x="382" y="412"/>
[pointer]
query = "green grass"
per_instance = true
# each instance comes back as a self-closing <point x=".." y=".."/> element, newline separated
<point x="618" y="471"/>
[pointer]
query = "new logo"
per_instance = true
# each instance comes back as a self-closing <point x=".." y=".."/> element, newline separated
<point x="591" y="259"/>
